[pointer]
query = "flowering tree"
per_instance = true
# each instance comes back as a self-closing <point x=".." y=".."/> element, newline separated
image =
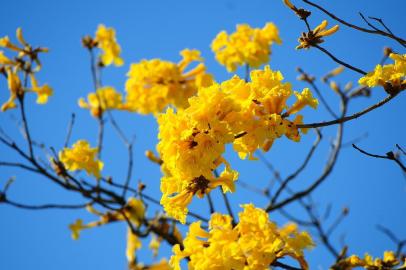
<point x="198" y="118"/>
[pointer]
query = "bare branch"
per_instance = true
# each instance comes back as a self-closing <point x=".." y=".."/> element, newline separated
<point x="348" y="118"/>
<point x="43" y="206"/>
<point x="299" y="170"/>
<point x="382" y="33"/>
<point x="389" y="155"/>
<point x="70" y="127"/>
<point x="327" y="169"/>
<point x="335" y="59"/>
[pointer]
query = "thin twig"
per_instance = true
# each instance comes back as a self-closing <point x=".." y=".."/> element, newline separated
<point x="70" y="127"/>
<point x="348" y="118"/>
<point x="399" y="243"/>
<point x="389" y="155"/>
<point x="100" y="137"/>
<point x="285" y="266"/>
<point x="25" y="125"/>
<point x="382" y="33"/>
<point x="43" y="206"/>
<point x="322" y="234"/>
<point x="335" y="59"/>
<point x="400" y="148"/>
<point x="129" y="146"/>
<point x="327" y="169"/>
<point x="211" y="205"/>
<point x="298" y="170"/>
<point x="247" y="73"/>
<point x="16" y="164"/>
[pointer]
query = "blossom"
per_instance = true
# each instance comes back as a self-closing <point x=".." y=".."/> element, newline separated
<point x="81" y="157"/>
<point x="249" y="115"/>
<point x="154" y="244"/>
<point x="106" y="41"/>
<point x="105" y="98"/>
<point x="154" y="84"/>
<point x="5" y="61"/>
<point x="392" y="74"/>
<point x="303" y="99"/>
<point x="15" y="87"/>
<point x="314" y="37"/>
<point x="250" y="46"/>
<point x="76" y="228"/>
<point x="43" y="92"/>
<point x="133" y="244"/>
<point x="22" y="63"/>
<point x="254" y="243"/>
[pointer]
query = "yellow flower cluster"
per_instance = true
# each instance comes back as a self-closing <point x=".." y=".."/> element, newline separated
<point x="22" y="63"/>
<point x="393" y="74"/>
<point x="105" y="98"/>
<point x="254" y="243"/>
<point x="81" y="157"/>
<point x="246" y="46"/>
<point x="250" y="115"/>
<point x="154" y="84"/>
<point x="106" y="41"/>
<point x="389" y="261"/>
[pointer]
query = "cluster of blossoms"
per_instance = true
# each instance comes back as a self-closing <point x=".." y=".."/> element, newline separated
<point x="105" y="39"/>
<point x="26" y="64"/>
<point x="247" y="45"/>
<point x="105" y="98"/>
<point x="254" y="243"/>
<point x="388" y="262"/>
<point x="392" y="74"/>
<point x="154" y="84"/>
<point x="81" y="157"/>
<point x="250" y="115"/>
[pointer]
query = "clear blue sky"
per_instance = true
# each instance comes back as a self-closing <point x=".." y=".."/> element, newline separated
<point x="374" y="190"/>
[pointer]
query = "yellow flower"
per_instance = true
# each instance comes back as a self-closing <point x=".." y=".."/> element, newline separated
<point x="106" y="41"/>
<point x="81" y="157"/>
<point x="105" y="98"/>
<point x="314" y="37"/>
<point x="254" y="243"/>
<point x="43" y="92"/>
<point x="303" y="99"/>
<point x="15" y="87"/>
<point x="176" y="206"/>
<point x="154" y="84"/>
<point x="246" y="46"/>
<point x="76" y="228"/>
<point x="135" y="211"/>
<point x="4" y="60"/>
<point x="133" y="244"/>
<point x="393" y="74"/>
<point x="6" y="43"/>
<point x="154" y="244"/>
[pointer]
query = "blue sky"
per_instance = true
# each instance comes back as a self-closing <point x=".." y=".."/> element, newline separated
<point x="373" y="189"/>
